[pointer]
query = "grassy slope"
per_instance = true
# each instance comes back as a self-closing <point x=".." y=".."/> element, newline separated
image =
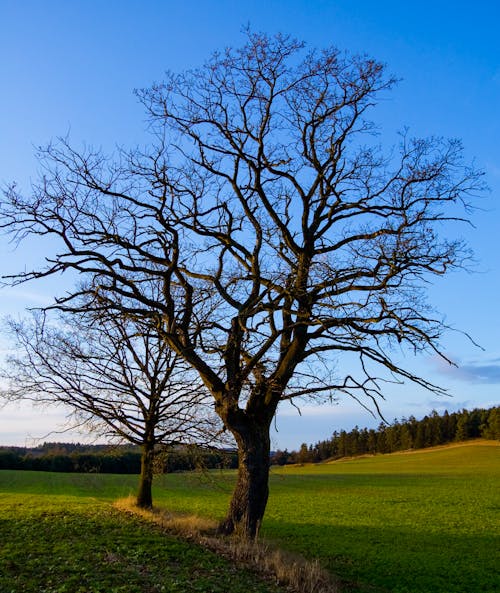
<point x="425" y="522"/>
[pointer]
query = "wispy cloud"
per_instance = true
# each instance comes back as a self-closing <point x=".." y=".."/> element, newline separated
<point x="26" y="296"/>
<point x="450" y="404"/>
<point x="485" y="371"/>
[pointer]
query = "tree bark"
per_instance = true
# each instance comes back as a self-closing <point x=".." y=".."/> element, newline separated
<point x="251" y="492"/>
<point x="145" y="493"/>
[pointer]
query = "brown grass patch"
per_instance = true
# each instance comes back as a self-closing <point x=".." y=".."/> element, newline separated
<point x="284" y="568"/>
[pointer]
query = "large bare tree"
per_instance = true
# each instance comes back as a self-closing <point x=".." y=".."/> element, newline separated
<point x="285" y="239"/>
<point x="117" y="377"/>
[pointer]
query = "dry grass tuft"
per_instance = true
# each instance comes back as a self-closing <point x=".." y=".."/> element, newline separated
<point x="188" y="526"/>
<point x="290" y="570"/>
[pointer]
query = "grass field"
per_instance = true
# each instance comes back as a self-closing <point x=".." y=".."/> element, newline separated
<point x="423" y="522"/>
<point x="60" y="534"/>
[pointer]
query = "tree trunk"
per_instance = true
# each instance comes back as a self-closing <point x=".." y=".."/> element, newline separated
<point x="250" y="495"/>
<point x="145" y="495"/>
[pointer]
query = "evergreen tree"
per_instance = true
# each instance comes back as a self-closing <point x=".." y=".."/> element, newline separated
<point x="491" y="428"/>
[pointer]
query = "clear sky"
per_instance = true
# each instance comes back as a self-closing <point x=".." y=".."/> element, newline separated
<point x="71" y="67"/>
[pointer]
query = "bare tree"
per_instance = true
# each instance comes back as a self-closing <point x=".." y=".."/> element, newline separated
<point x="284" y="239"/>
<point x="117" y="376"/>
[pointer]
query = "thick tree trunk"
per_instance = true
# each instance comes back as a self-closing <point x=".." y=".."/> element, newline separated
<point x="250" y="495"/>
<point x="145" y="493"/>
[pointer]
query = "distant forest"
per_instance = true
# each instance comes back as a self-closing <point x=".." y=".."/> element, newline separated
<point x="401" y="435"/>
<point x="117" y="459"/>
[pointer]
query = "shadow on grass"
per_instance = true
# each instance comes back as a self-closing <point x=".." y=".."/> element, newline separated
<point x="396" y="560"/>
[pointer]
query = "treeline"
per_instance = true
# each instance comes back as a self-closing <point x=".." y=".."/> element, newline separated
<point x="124" y="459"/>
<point x="401" y="435"/>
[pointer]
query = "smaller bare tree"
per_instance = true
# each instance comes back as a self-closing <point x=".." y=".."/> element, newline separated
<point x="117" y="376"/>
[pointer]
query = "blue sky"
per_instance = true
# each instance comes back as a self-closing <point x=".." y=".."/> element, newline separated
<point x="71" y="67"/>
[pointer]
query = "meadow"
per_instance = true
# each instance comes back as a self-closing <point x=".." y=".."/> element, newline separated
<point x="60" y="536"/>
<point x="420" y="522"/>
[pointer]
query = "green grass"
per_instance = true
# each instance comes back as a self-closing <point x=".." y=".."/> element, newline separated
<point x="425" y="522"/>
<point x="52" y="542"/>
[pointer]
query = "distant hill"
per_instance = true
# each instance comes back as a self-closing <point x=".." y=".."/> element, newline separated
<point x="401" y="435"/>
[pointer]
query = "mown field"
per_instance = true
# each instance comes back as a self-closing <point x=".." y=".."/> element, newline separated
<point x="423" y="522"/>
